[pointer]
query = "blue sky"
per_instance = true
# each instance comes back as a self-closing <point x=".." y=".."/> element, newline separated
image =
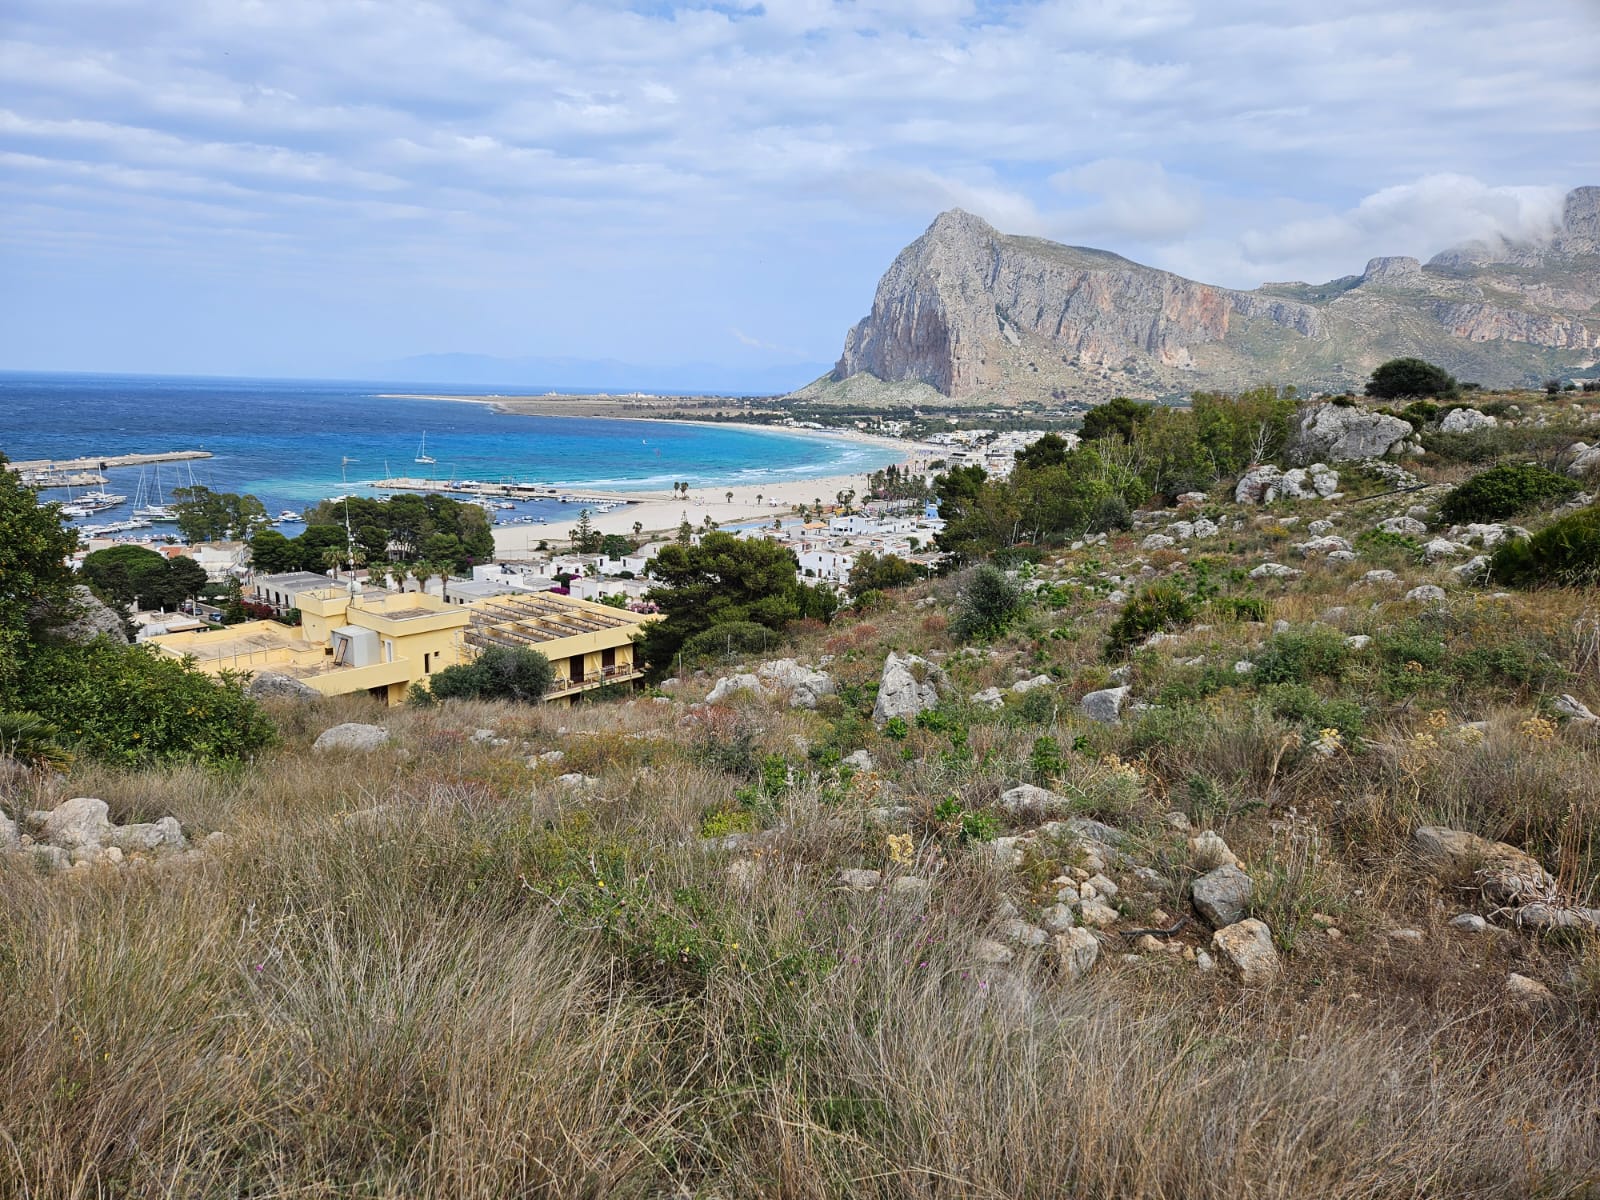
<point x="316" y="186"/>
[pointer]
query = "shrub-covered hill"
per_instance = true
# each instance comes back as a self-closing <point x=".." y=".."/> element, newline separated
<point x="1190" y="878"/>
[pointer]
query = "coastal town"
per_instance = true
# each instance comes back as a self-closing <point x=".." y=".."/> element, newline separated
<point x="348" y="629"/>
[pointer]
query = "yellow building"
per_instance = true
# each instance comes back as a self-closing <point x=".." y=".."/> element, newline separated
<point x="383" y="642"/>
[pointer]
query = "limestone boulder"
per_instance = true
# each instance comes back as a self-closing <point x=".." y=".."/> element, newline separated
<point x="1076" y="951"/>
<point x="910" y="685"/>
<point x="1222" y="896"/>
<point x="1466" y="420"/>
<point x="805" y="685"/>
<point x="1246" y="946"/>
<point x="1105" y="706"/>
<point x="726" y="688"/>
<point x="1338" y="433"/>
<point x="1505" y="874"/>
<point x="81" y="821"/>
<point x="271" y="685"/>
<point x="352" y="736"/>
<point x="148" y="837"/>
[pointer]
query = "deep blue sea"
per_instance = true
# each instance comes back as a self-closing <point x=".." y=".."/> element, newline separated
<point x="283" y="440"/>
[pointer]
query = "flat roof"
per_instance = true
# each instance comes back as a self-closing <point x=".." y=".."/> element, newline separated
<point x="531" y="618"/>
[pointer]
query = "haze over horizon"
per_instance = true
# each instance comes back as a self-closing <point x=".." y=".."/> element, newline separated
<point x="326" y="189"/>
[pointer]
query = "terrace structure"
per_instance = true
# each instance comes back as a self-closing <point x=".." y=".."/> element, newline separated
<point x="589" y="645"/>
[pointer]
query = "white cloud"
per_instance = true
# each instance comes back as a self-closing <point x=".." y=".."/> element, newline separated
<point x="700" y="152"/>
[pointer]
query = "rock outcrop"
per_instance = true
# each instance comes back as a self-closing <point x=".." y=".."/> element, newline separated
<point x="352" y="735"/>
<point x="974" y="313"/>
<point x="909" y="686"/>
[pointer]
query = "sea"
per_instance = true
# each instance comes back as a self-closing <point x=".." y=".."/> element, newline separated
<point x="293" y="442"/>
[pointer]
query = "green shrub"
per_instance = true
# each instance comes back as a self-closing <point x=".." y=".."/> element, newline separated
<point x="1400" y="377"/>
<point x="33" y="742"/>
<point x="132" y="705"/>
<point x="1564" y="552"/>
<point x="988" y="602"/>
<point x="1420" y="413"/>
<point x="1241" y="608"/>
<point x="730" y="640"/>
<point x="499" y="673"/>
<point x="1158" y="606"/>
<point x="1296" y="655"/>
<point x="1505" y="491"/>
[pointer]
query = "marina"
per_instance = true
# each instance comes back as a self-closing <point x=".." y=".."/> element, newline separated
<point x="513" y="491"/>
<point x="89" y="470"/>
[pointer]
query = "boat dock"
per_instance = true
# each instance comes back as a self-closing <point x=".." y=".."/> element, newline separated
<point x="89" y="470"/>
<point x="510" y="491"/>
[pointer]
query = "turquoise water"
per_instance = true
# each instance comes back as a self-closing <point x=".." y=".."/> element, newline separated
<point x="283" y="440"/>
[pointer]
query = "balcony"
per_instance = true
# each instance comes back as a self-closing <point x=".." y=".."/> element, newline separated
<point x="620" y="673"/>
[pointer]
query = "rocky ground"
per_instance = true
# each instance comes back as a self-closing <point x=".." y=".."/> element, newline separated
<point x="1293" y="893"/>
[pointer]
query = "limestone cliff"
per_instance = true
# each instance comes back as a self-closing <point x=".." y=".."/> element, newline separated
<point x="981" y="315"/>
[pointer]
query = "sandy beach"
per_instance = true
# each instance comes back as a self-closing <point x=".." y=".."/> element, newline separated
<point x="659" y="513"/>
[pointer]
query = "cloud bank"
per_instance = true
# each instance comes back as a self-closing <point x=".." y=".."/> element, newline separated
<point x="227" y="185"/>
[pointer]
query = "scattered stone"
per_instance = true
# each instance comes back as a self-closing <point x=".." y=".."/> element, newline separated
<point x="81" y="821"/>
<point x="1522" y="990"/>
<point x="1023" y="686"/>
<point x="1440" y="548"/>
<point x="1272" y="570"/>
<point x="1204" y="961"/>
<point x="1358" y="641"/>
<point x="1026" y="798"/>
<point x="858" y="879"/>
<point x="10" y="839"/>
<point x="1380" y="576"/>
<point x="1221" y="896"/>
<point x="1474" y="568"/>
<point x="1469" y="923"/>
<point x="165" y="834"/>
<point x="990" y="698"/>
<point x="1156" y="541"/>
<point x="352" y="736"/>
<point x="804" y="685"/>
<point x="1247" y="948"/>
<point x="1105" y="706"/>
<point x="1076" y="952"/>
<point x="860" y="760"/>
<point x="992" y="952"/>
<point x="725" y="689"/>
<point x="1019" y="931"/>
<point x="1426" y="594"/>
<point x="1209" y="851"/>
<point x="1057" y="918"/>
<point x="1574" y="709"/>
<point x="1503" y="873"/>
<point x="1405" y="935"/>
<point x="1102" y="886"/>
<point x="576" y="779"/>
<point x="1466" y="420"/>
<point x="1243" y="667"/>
<point x="1098" y="913"/>
<point x="1327" y="544"/>
<point x="1406" y="525"/>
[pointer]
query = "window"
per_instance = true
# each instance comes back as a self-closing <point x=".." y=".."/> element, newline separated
<point x="427" y="664"/>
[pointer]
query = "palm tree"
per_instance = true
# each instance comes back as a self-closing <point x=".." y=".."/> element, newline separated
<point x="332" y="558"/>
<point x="758" y="499"/>
<point x="729" y="495"/>
<point x="638" y="528"/>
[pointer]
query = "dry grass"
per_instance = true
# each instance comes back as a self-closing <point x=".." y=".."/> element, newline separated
<point x="443" y="973"/>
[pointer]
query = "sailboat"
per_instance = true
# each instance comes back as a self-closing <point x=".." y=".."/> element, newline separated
<point x="151" y="508"/>
<point x="422" y="452"/>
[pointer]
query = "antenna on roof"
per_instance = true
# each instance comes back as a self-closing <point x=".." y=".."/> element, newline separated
<point x="349" y="539"/>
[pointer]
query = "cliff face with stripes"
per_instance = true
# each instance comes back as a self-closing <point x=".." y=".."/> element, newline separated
<point x="981" y="315"/>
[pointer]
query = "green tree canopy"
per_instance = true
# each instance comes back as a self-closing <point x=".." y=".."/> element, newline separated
<point x="499" y="673"/>
<point x="207" y="516"/>
<point x="719" y="579"/>
<point x="1117" y="418"/>
<point x="1410" y="377"/>
<point x="34" y="575"/>
<point x="879" y="572"/>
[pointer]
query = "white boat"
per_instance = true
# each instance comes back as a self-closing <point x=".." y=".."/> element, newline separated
<point x="149" y="506"/>
<point x="422" y="452"/>
<point x="158" y="513"/>
<point x="288" y="514"/>
<point x="100" y="501"/>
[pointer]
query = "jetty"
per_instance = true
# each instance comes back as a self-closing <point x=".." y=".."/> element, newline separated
<point x="510" y="491"/>
<point x="89" y="469"/>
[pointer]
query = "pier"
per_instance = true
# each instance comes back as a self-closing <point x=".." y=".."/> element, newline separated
<point x="89" y="470"/>
<point x="511" y="491"/>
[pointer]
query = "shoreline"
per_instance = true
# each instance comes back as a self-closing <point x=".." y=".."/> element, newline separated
<point x="655" y="514"/>
<point x="504" y="404"/>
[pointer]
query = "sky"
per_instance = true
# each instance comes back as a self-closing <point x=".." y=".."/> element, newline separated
<point x="316" y="187"/>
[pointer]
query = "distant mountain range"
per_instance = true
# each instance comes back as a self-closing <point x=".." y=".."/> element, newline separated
<point x="974" y="314"/>
<point x="600" y="375"/>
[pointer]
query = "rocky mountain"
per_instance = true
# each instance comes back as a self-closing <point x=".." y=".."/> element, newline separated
<point x="976" y="314"/>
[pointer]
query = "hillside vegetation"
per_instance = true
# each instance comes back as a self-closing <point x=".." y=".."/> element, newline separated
<point x="1122" y="896"/>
